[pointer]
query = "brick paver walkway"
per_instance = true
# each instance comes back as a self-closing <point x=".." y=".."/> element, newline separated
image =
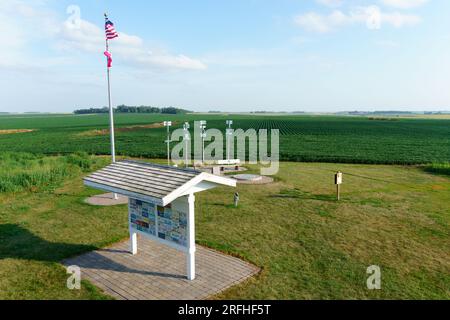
<point x="158" y="272"/>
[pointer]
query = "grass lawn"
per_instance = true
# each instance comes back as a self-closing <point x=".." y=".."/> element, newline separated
<point x="309" y="245"/>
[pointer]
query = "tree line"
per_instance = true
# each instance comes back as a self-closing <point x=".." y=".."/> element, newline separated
<point x="133" y="109"/>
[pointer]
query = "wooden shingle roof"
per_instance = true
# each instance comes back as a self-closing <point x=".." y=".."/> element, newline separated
<point x="146" y="181"/>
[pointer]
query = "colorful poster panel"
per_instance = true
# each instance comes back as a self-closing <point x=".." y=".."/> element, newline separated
<point x="142" y="216"/>
<point x="172" y="225"/>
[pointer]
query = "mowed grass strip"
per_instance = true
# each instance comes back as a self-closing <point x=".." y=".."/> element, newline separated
<point x="309" y="245"/>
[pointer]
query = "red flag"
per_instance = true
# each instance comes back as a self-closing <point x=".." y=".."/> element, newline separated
<point x="109" y="56"/>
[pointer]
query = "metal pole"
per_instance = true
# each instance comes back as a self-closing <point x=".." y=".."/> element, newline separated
<point x="228" y="136"/>
<point x="186" y="155"/>
<point x="186" y="140"/>
<point x="111" y="112"/>
<point x="228" y="143"/>
<point x="228" y="146"/>
<point x="168" y="145"/>
<point x="338" y="192"/>
<point x="203" y="150"/>
<point x="203" y="136"/>
<point x="111" y="118"/>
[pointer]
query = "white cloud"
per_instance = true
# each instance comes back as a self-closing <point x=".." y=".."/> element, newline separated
<point x="399" y="20"/>
<point x="244" y="58"/>
<point x="25" y="23"/>
<point x="13" y="36"/>
<point x="168" y="60"/>
<point x="404" y="4"/>
<point x="90" y="38"/>
<point x="330" y="3"/>
<point x="372" y="16"/>
<point x="316" y="22"/>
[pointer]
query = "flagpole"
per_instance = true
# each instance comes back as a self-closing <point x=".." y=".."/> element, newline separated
<point x="111" y="112"/>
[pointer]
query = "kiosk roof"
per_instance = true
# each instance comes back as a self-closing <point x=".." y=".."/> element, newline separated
<point x="151" y="182"/>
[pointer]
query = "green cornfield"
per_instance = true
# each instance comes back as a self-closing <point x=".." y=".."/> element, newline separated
<point x="302" y="138"/>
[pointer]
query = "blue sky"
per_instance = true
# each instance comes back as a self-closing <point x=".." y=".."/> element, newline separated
<point x="234" y="55"/>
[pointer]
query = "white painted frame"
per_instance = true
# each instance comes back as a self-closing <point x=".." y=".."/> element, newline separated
<point x="190" y="247"/>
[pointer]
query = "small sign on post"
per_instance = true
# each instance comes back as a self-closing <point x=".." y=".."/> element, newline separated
<point x="338" y="181"/>
<point x="236" y="199"/>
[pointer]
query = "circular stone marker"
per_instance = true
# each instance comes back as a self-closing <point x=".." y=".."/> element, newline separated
<point x="247" y="177"/>
<point x="233" y="169"/>
<point x="252" y="179"/>
<point x="106" y="199"/>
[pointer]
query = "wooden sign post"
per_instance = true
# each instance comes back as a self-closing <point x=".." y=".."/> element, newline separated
<point x="338" y="182"/>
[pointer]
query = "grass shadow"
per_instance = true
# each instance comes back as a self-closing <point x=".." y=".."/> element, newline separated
<point x="438" y="169"/>
<point x="299" y="194"/>
<point x="225" y="205"/>
<point x="17" y="242"/>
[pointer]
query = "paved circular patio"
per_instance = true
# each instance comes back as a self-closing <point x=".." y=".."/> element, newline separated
<point x="157" y="272"/>
<point x="106" y="199"/>
<point x="252" y="179"/>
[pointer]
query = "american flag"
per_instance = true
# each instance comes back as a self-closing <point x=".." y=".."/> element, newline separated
<point x="110" y="30"/>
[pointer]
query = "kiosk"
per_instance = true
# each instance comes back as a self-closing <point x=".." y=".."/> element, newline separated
<point x="161" y="201"/>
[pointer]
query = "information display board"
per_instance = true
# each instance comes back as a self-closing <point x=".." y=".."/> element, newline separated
<point x="142" y="216"/>
<point x="172" y="225"/>
<point x="166" y="223"/>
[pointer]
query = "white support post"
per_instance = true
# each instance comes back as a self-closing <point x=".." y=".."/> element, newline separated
<point x="133" y="234"/>
<point x="133" y="242"/>
<point x="191" y="239"/>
